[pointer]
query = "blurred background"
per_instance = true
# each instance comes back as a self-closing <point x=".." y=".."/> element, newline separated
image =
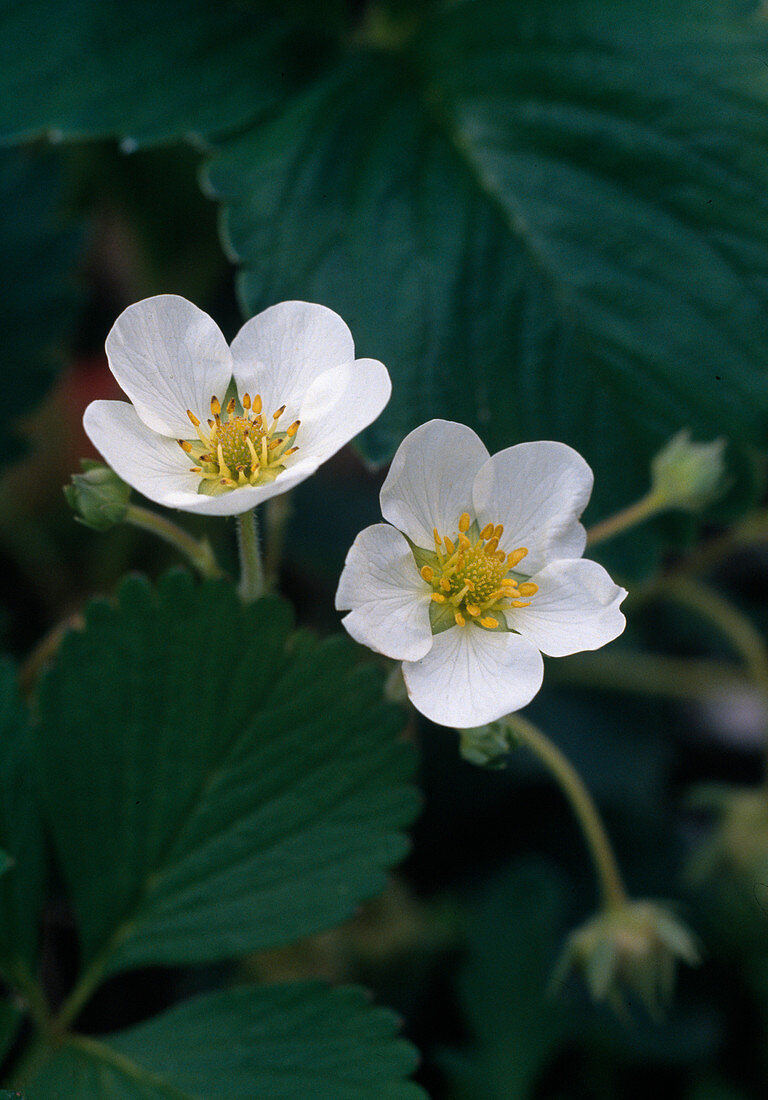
<point x="550" y="221"/>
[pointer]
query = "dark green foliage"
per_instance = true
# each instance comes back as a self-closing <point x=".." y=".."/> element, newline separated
<point x="39" y="250"/>
<point x="234" y="792"/>
<point x="282" y="1042"/>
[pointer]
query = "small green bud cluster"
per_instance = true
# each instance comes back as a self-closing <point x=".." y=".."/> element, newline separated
<point x="688" y="475"/>
<point x="97" y="496"/>
<point x="632" y="949"/>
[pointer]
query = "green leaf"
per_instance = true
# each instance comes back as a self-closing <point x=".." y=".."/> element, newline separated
<point x="513" y="941"/>
<point x="549" y="220"/>
<point x="281" y="1042"/>
<point x="21" y="886"/>
<point x="40" y="251"/>
<point x="144" y="71"/>
<point x="213" y="786"/>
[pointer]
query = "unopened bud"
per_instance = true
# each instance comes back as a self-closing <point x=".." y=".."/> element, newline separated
<point x="98" y="496"/>
<point x="487" y="746"/>
<point x="633" y="949"/>
<point x="689" y="475"/>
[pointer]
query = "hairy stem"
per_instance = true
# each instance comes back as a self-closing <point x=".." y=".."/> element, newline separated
<point x="197" y="552"/>
<point x="622" y="521"/>
<point x="252" y="582"/>
<point x="570" y="782"/>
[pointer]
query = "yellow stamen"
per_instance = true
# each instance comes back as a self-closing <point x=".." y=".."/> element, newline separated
<point x="291" y="432"/>
<point x="195" y="469"/>
<point x="193" y="418"/>
<point x="222" y="464"/>
<point x="489" y="622"/>
<point x="492" y="546"/>
<point x="498" y="530"/>
<point x="528" y="588"/>
<point x="246" y="401"/>
<point x="438" y="540"/>
<point x="445" y="584"/>
<point x="185" y="446"/>
<point x="427" y="573"/>
<point x="279" y="413"/>
<point x="473" y="609"/>
<point x="215" y="407"/>
<point x="438" y="597"/>
<point x="516" y="556"/>
<point x="487" y="531"/>
<point x="464" y="522"/>
<point x="521" y="603"/>
<point x="291" y="451"/>
<point x="231" y="406"/>
<point x="257" y="404"/>
<point x="449" y="545"/>
<point x="460" y="620"/>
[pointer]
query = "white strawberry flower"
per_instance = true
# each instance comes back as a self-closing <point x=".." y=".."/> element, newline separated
<point x="478" y="572"/>
<point x="204" y="429"/>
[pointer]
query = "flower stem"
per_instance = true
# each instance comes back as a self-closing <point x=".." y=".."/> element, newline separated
<point x="628" y="517"/>
<point x="198" y="552"/>
<point x="743" y="635"/>
<point x="614" y="895"/>
<point x="252" y="583"/>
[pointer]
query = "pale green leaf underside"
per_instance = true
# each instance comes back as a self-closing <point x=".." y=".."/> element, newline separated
<point x="549" y="220"/>
<point x="281" y="1042"/>
<point x="213" y="789"/>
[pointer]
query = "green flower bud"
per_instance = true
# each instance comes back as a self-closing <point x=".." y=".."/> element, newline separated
<point x="688" y="475"/>
<point x="633" y="949"/>
<point x="97" y="496"/>
<point x="487" y="746"/>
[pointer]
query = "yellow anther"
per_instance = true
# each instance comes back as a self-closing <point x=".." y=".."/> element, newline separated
<point x="246" y="401"/>
<point x="436" y="537"/>
<point x="193" y="418"/>
<point x="427" y="573"/>
<point x="445" y="584"/>
<point x="521" y="603"/>
<point x="195" y="469"/>
<point x="500" y="555"/>
<point x="487" y="531"/>
<point x="230" y="484"/>
<point x="516" y="556"/>
<point x="257" y="404"/>
<point x="473" y="609"/>
<point x="528" y="589"/>
<point x="464" y="522"/>
<point x="291" y="451"/>
<point x="252" y="452"/>
<point x="215" y="407"/>
<point x="449" y="545"/>
<point x="291" y="432"/>
<point x="184" y="445"/>
<point x="211" y="424"/>
<point x="492" y="546"/>
<point x="231" y="406"/>
<point x="279" y="413"/>
<point x="464" y="543"/>
<point x="438" y="597"/>
<point x="489" y="622"/>
<point x="498" y="530"/>
<point x="460" y="620"/>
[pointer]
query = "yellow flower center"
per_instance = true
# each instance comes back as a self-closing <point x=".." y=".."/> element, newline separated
<point x="473" y="580"/>
<point x="240" y="448"/>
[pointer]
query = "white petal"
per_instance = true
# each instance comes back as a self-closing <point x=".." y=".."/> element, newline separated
<point x="576" y="607"/>
<point x="538" y="491"/>
<point x="339" y="404"/>
<point x="390" y="602"/>
<point x="280" y="352"/>
<point x="243" y="499"/>
<point x="471" y="676"/>
<point x="429" y="483"/>
<point x="157" y="467"/>
<point x="151" y="463"/>
<point x="169" y="356"/>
